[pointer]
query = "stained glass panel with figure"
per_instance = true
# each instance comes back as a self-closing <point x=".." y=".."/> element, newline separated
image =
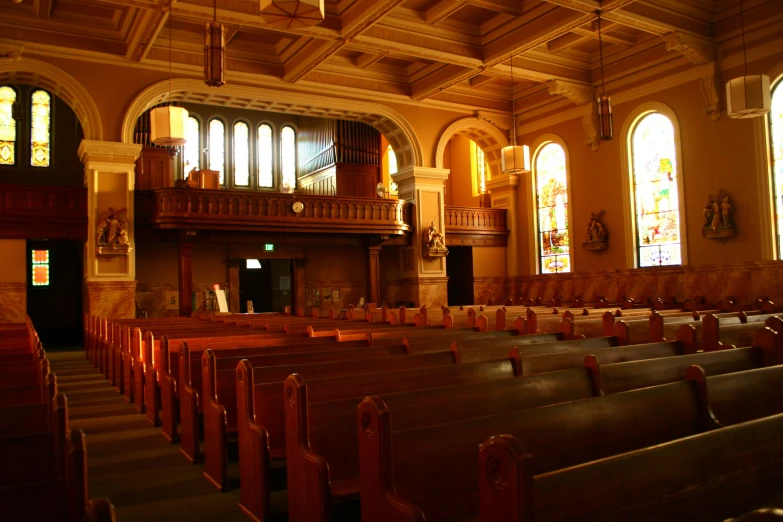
<point x="241" y="154"/>
<point x="288" y="158"/>
<point x="265" y="165"/>
<point x="7" y="126"/>
<point x="776" y="126"/>
<point x="217" y="148"/>
<point x="191" y="152"/>
<point x="552" y="204"/>
<point x="40" y="123"/>
<point x="656" y="196"/>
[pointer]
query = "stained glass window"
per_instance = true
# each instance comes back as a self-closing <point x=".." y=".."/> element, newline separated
<point x="40" y="122"/>
<point x="191" y="153"/>
<point x="40" y="270"/>
<point x="288" y="157"/>
<point x="7" y="126"/>
<point x="217" y="148"/>
<point x="656" y="197"/>
<point x="241" y="154"/>
<point x="392" y="158"/>
<point x="481" y="173"/>
<point x="552" y="204"/>
<point x="265" y="163"/>
<point x="776" y="126"/>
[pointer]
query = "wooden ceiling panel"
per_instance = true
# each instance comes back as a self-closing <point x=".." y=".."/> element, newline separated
<point x="472" y="15"/>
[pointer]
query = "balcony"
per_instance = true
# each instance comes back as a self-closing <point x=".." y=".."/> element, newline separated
<point x="198" y="209"/>
<point x="33" y="212"/>
<point x="470" y="226"/>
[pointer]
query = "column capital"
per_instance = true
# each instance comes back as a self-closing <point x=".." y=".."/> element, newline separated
<point x="421" y="173"/>
<point x="108" y="152"/>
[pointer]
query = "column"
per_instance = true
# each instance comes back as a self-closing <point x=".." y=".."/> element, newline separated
<point x="424" y="277"/>
<point x="374" y="274"/>
<point x="109" y="262"/>
<point x="504" y="194"/>
<point x="185" y="279"/>
<point x="13" y="280"/>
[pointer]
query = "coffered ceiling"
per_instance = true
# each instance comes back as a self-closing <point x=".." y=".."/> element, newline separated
<point x="450" y="51"/>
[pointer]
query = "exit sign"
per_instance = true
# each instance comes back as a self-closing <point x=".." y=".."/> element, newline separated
<point x="269" y="247"/>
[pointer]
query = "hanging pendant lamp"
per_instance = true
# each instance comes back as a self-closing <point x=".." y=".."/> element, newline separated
<point x="605" y="123"/>
<point x="748" y="96"/>
<point x="167" y="123"/>
<point x="292" y="14"/>
<point x="214" y="52"/>
<point x="514" y="159"/>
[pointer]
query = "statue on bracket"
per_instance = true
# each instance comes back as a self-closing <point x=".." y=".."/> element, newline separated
<point x="597" y="237"/>
<point x="112" y="234"/>
<point x="435" y="243"/>
<point x="718" y="217"/>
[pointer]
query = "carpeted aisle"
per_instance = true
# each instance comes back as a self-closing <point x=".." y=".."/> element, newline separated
<point x="128" y="459"/>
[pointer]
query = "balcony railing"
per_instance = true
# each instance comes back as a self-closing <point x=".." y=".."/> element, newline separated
<point x="33" y="212"/>
<point x="475" y="226"/>
<point x="176" y="208"/>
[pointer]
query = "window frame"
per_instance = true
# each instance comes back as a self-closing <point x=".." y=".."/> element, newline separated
<point x="629" y="186"/>
<point x="534" y="246"/>
<point x="29" y="126"/>
<point x="296" y="154"/>
<point x="250" y="150"/>
<point x="226" y="143"/>
<point x="275" y="158"/>
<point x="17" y="128"/>
<point x="201" y="133"/>
<point x="762" y="131"/>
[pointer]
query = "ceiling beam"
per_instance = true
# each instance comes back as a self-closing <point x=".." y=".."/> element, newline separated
<point x="366" y="60"/>
<point x="145" y="31"/>
<point x="43" y="8"/>
<point x="442" y="9"/>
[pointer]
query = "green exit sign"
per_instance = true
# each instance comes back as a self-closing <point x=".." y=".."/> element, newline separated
<point x="269" y="247"/>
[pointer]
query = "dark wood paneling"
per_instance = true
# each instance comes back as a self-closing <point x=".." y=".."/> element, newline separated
<point x="357" y="181"/>
<point x="155" y="168"/>
<point x="28" y="212"/>
<point x="475" y="226"/>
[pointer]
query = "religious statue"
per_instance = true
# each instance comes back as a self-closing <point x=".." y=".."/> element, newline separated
<point x="112" y="230"/>
<point x="597" y="237"/>
<point x="718" y="217"/>
<point x="435" y="244"/>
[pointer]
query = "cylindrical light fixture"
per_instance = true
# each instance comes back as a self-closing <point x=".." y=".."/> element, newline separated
<point x="214" y="54"/>
<point x="167" y="125"/>
<point x="748" y="96"/>
<point x="605" y="125"/>
<point x="292" y="14"/>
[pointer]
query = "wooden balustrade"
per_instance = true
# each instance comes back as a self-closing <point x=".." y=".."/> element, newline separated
<point x="263" y="211"/>
<point x="39" y="212"/>
<point x="472" y="226"/>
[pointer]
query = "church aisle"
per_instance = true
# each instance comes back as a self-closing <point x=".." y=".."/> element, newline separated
<point x="128" y="460"/>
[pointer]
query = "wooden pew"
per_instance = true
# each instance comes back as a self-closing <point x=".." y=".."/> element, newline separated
<point x="321" y="436"/>
<point x="387" y="460"/>
<point x="709" y="476"/>
<point x="262" y="415"/>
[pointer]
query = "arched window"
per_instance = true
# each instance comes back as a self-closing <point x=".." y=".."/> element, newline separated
<point x="7" y="126"/>
<point x="191" y="153"/>
<point x="265" y="156"/>
<point x="288" y="157"/>
<point x="241" y="154"/>
<point x="776" y="141"/>
<point x="217" y="148"/>
<point x="551" y="184"/>
<point x="40" y="128"/>
<point x="392" y="160"/>
<point x="655" y="190"/>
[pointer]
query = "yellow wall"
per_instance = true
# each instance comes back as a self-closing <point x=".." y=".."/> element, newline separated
<point x="157" y="263"/>
<point x="459" y="186"/>
<point x="13" y="260"/>
<point x="489" y="261"/>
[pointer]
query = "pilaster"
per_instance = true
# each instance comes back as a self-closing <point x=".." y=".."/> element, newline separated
<point x="425" y="276"/>
<point x="109" y="273"/>
<point x="504" y="194"/>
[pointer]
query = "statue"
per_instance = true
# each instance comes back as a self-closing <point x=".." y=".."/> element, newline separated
<point x="435" y="244"/>
<point x="718" y="217"/>
<point x="596" y="237"/>
<point x="112" y="230"/>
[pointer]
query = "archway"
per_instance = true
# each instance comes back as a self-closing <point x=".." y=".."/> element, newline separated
<point x="59" y="83"/>
<point x="488" y="137"/>
<point x="389" y="122"/>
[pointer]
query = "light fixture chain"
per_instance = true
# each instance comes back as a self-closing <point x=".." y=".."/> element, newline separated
<point x="171" y="8"/>
<point x="513" y="114"/>
<point x="742" y="24"/>
<point x="601" y="53"/>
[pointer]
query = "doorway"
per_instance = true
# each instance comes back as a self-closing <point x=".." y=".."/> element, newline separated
<point x="54" y="291"/>
<point x="459" y="269"/>
<point x="268" y="283"/>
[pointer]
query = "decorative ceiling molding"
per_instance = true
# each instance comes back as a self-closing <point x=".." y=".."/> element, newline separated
<point x="697" y="51"/>
<point x="590" y="126"/>
<point x="576" y="93"/>
<point x="503" y="122"/>
<point x="11" y="52"/>
<point x="711" y="89"/>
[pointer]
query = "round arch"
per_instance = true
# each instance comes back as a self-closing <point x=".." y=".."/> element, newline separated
<point x="387" y="121"/>
<point x="488" y="137"/>
<point x="28" y="71"/>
